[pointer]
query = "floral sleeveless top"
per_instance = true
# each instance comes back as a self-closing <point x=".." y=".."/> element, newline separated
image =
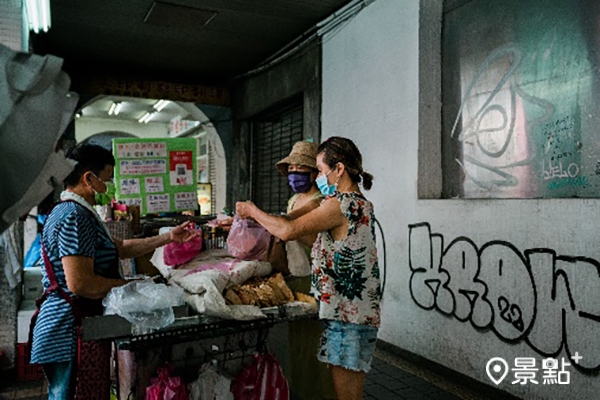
<point x="345" y="273"/>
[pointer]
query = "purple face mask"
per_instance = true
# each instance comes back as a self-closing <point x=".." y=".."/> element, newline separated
<point x="299" y="181"/>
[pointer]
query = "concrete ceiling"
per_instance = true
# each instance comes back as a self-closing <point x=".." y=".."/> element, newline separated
<point x="132" y="109"/>
<point x="188" y="41"/>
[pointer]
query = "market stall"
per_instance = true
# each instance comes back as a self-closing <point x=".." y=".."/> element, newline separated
<point x="230" y="305"/>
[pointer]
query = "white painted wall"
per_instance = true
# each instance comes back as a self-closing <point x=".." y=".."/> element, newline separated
<point x="371" y="94"/>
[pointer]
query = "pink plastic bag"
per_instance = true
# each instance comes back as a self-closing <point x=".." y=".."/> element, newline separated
<point x="248" y="240"/>
<point x="179" y="253"/>
<point x="263" y="380"/>
<point x="166" y="386"/>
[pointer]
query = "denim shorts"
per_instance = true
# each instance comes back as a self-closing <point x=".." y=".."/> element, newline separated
<point x="347" y="345"/>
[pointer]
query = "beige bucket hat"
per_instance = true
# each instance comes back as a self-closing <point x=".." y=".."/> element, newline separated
<point x="303" y="153"/>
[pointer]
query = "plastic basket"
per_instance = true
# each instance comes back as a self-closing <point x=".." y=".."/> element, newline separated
<point x="25" y="370"/>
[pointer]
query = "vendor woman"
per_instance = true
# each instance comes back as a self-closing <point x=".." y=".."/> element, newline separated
<point x="345" y="274"/>
<point x="308" y="378"/>
<point x="81" y="267"/>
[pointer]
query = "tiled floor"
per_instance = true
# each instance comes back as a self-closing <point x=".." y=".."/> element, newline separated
<point x="33" y="390"/>
<point x="390" y="378"/>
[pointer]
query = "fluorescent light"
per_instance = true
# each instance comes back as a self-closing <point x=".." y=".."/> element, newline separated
<point x="118" y="108"/>
<point x="38" y="15"/>
<point x="112" y="108"/>
<point x="161" y="104"/>
<point x="145" y="118"/>
<point x="45" y="7"/>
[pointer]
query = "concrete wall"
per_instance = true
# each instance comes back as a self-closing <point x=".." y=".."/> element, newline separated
<point x="522" y="280"/>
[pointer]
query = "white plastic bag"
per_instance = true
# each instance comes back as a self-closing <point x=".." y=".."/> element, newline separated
<point x="210" y="385"/>
<point x="144" y="303"/>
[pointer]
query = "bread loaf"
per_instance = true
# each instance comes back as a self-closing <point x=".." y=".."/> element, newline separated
<point x="261" y="292"/>
<point x="305" y="298"/>
<point x="232" y="298"/>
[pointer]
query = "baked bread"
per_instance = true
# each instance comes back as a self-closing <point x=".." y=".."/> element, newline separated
<point x="261" y="292"/>
<point x="232" y="298"/>
<point x="305" y="298"/>
<point x="278" y="280"/>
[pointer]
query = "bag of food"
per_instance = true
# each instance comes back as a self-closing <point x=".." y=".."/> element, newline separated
<point x="248" y="240"/>
<point x="263" y="379"/>
<point x="179" y="253"/>
<point x="166" y="386"/>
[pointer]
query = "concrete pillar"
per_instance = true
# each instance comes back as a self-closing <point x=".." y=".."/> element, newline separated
<point x="13" y="36"/>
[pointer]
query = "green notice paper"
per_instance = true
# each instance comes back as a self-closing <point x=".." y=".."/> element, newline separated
<point x="156" y="174"/>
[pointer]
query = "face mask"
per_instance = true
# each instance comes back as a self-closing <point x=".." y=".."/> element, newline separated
<point x="324" y="186"/>
<point x="104" y="199"/>
<point x="299" y="181"/>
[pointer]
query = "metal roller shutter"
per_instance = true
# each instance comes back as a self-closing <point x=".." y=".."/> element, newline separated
<point x="274" y="134"/>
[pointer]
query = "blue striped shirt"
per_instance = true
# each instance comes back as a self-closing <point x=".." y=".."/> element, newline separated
<point x="70" y="230"/>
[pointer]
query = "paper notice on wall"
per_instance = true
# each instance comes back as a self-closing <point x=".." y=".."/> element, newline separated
<point x="130" y="185"/>
<point x="151" y="171"/>
<point x="154" y="184"/>
<point x="186" y="201"/>
<point x="142" y="167"/>
<point x="141" y="150"/>
<point x="136" y="201"/>
<point x="156" y="203"/>
<point x="180" y="168"/>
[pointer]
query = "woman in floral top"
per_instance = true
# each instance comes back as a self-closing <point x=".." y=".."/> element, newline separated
<point x="345" y="273"/>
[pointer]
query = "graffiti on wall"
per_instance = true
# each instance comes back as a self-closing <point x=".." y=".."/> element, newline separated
<point x="550" y="301"/>
<point x="494" y="146"/>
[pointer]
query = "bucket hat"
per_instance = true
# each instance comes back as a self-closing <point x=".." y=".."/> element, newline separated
<point x="303" y="153"/>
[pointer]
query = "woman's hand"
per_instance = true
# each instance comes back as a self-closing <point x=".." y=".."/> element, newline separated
<point x="245" y="209"/>
<point x="183" y="233"/>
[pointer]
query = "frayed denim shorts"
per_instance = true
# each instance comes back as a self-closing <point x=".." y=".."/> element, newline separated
<point x="347" y="345"/>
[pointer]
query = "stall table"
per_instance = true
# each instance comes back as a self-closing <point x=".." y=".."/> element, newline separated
<point x="187" y="343"/>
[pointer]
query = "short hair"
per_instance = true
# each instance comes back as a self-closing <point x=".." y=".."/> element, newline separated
<point x="89" y="157"/>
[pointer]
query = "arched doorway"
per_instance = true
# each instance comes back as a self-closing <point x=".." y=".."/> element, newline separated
<point x="95" y="123"/>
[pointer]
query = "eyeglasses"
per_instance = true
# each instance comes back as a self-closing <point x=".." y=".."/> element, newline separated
<point x="111" y="180"/>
